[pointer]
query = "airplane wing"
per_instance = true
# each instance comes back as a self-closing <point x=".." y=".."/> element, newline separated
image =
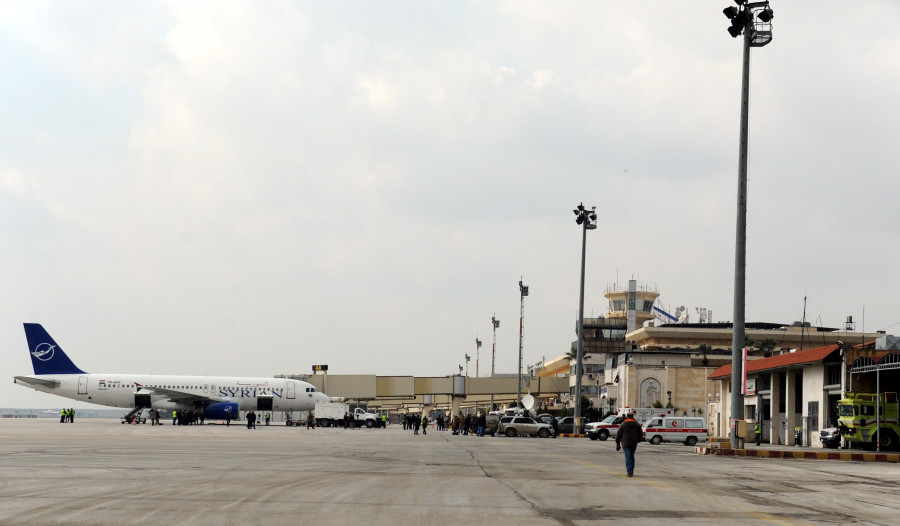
<point x="28" y="380"/>
<point x="178" y="396"/>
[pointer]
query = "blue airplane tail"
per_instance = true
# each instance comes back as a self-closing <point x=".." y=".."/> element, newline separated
<point x="46" y="356"/>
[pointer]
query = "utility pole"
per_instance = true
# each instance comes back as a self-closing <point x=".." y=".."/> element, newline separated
<point x="477" y="355"/>
<point x="494" y="323"/>
<point x="523" y="291"/>
<point x="587" y="219"/>
<point x="755" y="35"/>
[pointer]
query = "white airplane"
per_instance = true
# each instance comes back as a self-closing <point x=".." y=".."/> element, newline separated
<point x="216" y="396"/>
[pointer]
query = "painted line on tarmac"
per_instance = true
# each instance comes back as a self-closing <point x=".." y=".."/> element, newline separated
<point x="617" y="473"/>
<point x="773" y="518"/>
<point x="609" y="471"/>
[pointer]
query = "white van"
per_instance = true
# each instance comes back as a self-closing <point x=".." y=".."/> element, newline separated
<point x="687" y="429"/>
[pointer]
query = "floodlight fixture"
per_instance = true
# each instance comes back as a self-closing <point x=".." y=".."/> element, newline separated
<point x="734" y="31"/>
<point x="730" y="12"/>
<point x="766" y="15"/>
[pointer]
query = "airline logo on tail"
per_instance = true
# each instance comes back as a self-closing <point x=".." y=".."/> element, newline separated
<point x="43" y="352"/>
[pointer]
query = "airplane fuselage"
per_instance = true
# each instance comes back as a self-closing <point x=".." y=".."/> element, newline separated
<point x="179" y="392"/>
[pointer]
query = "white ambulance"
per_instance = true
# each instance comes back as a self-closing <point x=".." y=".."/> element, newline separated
<point x="609" y="426"/>
<point x="686" y="429"/>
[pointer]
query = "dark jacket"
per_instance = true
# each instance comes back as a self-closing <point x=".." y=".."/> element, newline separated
<point x="630" y="433"/>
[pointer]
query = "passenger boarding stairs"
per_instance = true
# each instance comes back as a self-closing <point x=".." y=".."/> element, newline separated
<point x="136" y="411"/>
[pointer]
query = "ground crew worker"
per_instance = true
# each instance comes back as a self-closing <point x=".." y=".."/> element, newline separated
<point x="267" y="418"/>
<point x="62" y="416"/>
<point x="758" y="430"/>
<point x="384" y="421"/>
<point x="174" y="417"/>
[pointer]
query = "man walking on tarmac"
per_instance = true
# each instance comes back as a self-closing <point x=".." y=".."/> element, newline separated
<point x="629" y="434"/>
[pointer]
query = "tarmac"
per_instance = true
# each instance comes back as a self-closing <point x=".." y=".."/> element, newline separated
<point x="721" y="447"/>
<point x="104" y="472"/>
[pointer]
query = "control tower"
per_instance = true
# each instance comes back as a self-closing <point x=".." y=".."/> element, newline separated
<point x="634" y="304"/>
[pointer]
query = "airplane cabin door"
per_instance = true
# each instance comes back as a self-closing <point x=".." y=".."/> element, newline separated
<point x="82" y="384"/>
<point x="291" y="394"/>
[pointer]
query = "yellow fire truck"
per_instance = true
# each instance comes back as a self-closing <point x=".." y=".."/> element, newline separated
<point x="858" y="424"/>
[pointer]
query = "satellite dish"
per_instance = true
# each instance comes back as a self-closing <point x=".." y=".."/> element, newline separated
<point x="528" y="402"/>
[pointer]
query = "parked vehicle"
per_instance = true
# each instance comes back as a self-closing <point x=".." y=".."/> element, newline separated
<point x="603" y="429"/>
<point x="857" y="421"/>
<point x="567" y="424"/>
<point x="492" y="422"/>
<point x="830" y="437"/>
<point x="686" y="429"/>
<point x="331" y="414"/>
<point x="138" y="418"/>
<point x="523" y="425"/>
<point x="609" y="426"/>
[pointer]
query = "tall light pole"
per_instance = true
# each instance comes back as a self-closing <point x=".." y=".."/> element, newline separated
<point x="494" y="323"/>
<point x="523" y="291"/>
<point x="757" y="31"/>
<point x="588" y="221"/>
<point x="477" y="354"/>
<point x="467" y="365"/>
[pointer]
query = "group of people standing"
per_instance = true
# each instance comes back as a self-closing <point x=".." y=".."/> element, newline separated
<point x="153" y="415"/>
<point x="67" y="416"/>
<point x="417" y="421"/>
<point x="252" y="418"/>
<point x="466" y="425"/>
<point x="187" y="417"/>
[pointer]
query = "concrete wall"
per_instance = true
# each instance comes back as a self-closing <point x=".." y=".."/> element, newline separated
<point x="814" y="391"/>
<point x="689" y="385"/>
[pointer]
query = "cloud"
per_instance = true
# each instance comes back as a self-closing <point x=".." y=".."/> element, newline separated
<point x="297" y="183"/>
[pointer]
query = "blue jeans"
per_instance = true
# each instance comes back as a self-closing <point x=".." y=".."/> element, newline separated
<point x="629" y="458"/>
<point x="481" y="431"/>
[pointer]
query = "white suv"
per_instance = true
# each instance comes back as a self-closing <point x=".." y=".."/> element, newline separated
<point x="523" y="425"/>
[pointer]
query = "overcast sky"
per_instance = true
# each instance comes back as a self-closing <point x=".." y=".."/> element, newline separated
<point x="232" y="188"/>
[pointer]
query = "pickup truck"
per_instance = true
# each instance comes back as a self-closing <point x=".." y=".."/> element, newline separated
<point x="602" y="430"/>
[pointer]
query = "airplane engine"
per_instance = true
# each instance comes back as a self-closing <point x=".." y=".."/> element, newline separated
<point x="220" y="409"/>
